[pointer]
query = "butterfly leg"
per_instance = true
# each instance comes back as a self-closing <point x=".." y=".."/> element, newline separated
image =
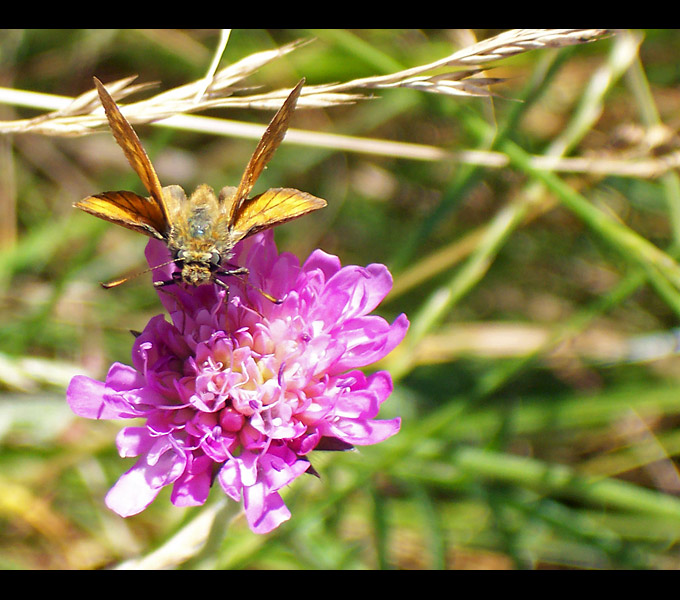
<point x="160" y="284"/>
<point x="221" y="283"/>
<point x="237" y="271"/>
<point x="260" y="290"/>
<point x="176" y="277"/>
<point x="244" y="271"/>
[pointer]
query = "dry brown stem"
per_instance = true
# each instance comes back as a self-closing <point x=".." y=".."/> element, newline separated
<point x="84" y="115"/>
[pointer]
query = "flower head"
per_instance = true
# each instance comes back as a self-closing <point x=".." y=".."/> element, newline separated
<point x="239" y="389"/>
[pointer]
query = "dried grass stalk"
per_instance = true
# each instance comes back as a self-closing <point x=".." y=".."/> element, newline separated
<point x="503" y="45"/>
<point x="84" y="115"/>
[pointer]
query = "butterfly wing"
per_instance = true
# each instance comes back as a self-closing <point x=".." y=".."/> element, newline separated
<point x="270" y="141"/>
<point x="273" y="207"/>
<point x="137" y="157"/>
<point x="127" y="209"/>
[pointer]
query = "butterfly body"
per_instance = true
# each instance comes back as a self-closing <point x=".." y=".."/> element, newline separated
<point x="201" y="230"/>
<point x="200" y="239"/>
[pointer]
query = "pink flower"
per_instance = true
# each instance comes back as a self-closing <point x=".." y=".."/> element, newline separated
<point x="240" y="389"/>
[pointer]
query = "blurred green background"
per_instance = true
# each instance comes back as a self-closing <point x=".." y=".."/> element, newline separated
<point x="538" y="385"/>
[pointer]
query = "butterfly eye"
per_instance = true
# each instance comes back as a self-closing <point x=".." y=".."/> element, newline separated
<point x="180" y="256"/>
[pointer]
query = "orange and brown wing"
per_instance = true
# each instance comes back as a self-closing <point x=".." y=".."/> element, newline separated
<point x="127" y="209"/>
<point x="134" y="151"/>
<point x="273" y="207"/>
<point x="270" y="141"/>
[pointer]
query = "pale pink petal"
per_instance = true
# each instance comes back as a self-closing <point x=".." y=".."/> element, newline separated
<point x="363" y="432"/>
<point x="354" y="291"/>
<point x="133" y="441"/>
<point x="367" y="340"/>
<point x="193" y="486"/>
<point x="230" y="480"/>
<point x="131" y="494"/>
<point x="327" y="263"/>
<point x="85" y="396"/>
<point x="264" y="513"/>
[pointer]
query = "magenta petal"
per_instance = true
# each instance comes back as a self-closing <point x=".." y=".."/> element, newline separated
<point x="193" y="487"/>
<point x="138" y="487"/>
<point x="397" y="333"/>
<point x="191" y="490"/>
<point x="279" y="473"/>
<point x="360" y="397"/>
<point x="85" y="396"/>
<point x="122" y="378"/>
<point x="247" y="468"/>
<point x="133" y="441"/>
<point x="157" y="253"/>
<point x="131" y="494"/>
<point x="372" y="340"/>
<point x="256" y="251"/>
<point x="377" y="285"/>
<point x="358" y="289"/>
<point x="327" y="263"/>
<point x="367" y="340"/>
<point x="167" y="466"/>
<point x="264" y="513"/>
<point x="380" y="384"/>
<point x="284" y="272"/>
<point x="262" y="256"/>
<point x="363" y="432"/>
<point x="230" y="480"/>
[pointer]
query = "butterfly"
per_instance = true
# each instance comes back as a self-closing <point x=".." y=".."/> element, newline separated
<point x="200" y="231"/>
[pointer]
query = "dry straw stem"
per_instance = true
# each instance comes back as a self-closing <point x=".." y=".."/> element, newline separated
<point x="187" y="542"/>
<point x="503" y="45"/>
<point x="622" y="54"/>
<point x="83" y="115"/>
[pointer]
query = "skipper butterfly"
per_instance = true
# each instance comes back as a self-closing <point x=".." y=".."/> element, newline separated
<point x="201" y="230"/>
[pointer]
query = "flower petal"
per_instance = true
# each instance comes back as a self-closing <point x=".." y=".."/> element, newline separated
<point x="133" y="441"/>
<point x="264" y="513"/>
<point x="193" y="486"/>
<point x="85" y="396"/>
<point x="367" y="340"/>
<point x="323" y="261"/>
<point x="132" y="493"/>
<point x="230" y="480"/>
<point x="281" y="470"/>
<point x="353" y="291"/>
<point x="364" y="432"/>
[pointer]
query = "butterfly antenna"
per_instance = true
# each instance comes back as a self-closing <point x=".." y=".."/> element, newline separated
<point x="265" y="294"/>
<point x="117" y="282"/>
<point x="242" y="276"/>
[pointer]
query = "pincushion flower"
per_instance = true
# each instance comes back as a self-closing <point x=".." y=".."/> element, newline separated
<point x="238" y="389"/>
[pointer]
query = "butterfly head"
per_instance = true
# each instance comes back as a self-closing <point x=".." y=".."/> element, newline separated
<point x="197" y="268"/>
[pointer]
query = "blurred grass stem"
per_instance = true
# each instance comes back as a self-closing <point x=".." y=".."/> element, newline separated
<point x="491" y="238"/>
